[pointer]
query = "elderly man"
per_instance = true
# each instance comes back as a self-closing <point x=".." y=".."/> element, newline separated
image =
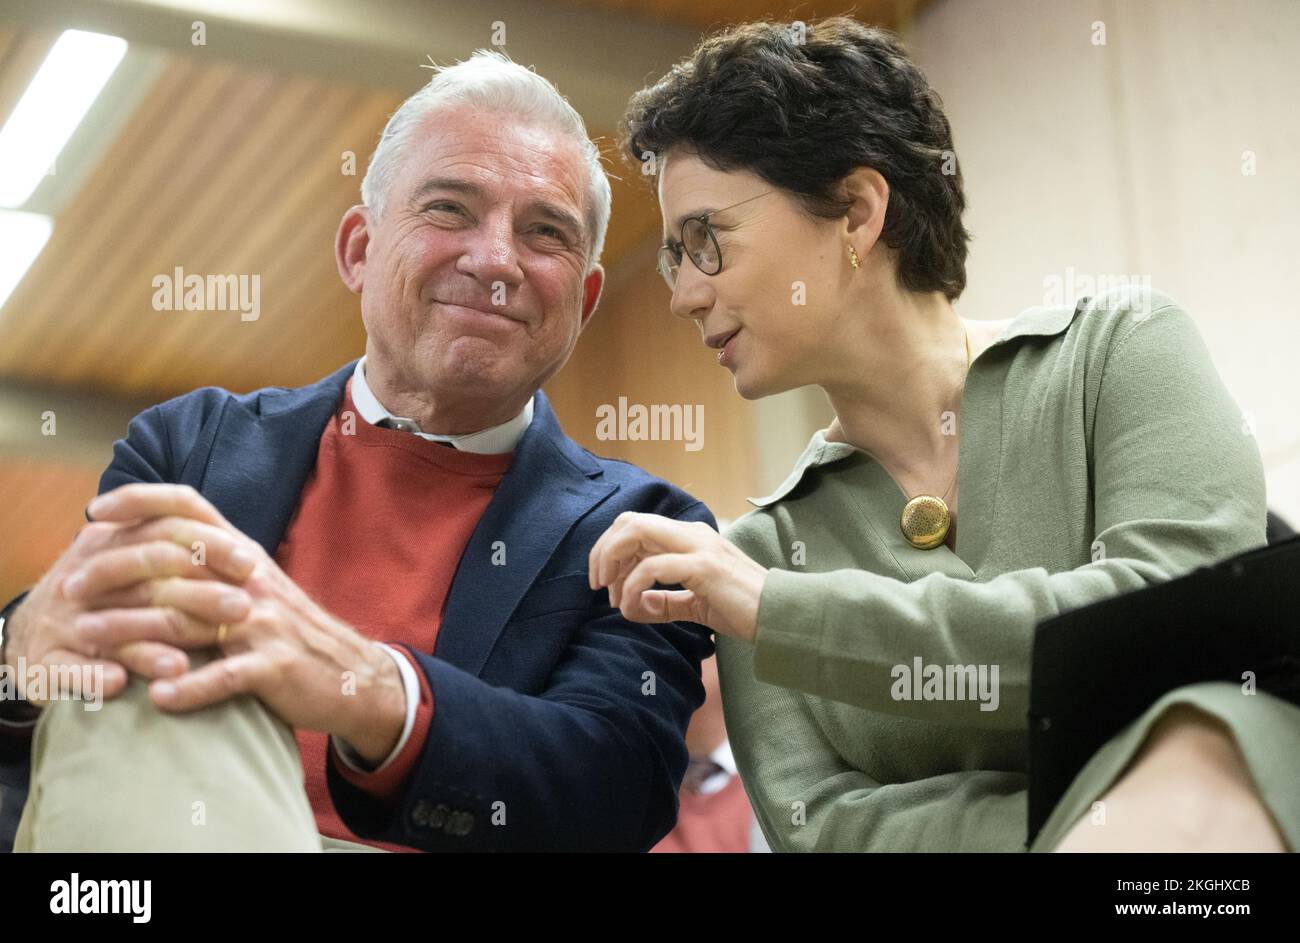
<point x="360" y="609"/>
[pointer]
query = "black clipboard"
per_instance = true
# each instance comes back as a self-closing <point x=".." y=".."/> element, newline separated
<point x="1098" y="667"/>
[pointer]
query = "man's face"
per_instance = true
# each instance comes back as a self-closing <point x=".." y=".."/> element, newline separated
<point x="474" y="284"/>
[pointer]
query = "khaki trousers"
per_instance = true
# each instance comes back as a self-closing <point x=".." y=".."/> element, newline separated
<point x="130" y="777"/>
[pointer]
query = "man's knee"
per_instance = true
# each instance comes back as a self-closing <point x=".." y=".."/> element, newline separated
<point x="132" y="776"/>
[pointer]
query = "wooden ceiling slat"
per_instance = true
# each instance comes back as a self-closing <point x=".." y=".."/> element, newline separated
<point x="707" y="14"/>
<point x="181" y="171"/>
<point x="203" y="175"/>
<point x="339" y="333"/>
<point x="291" y="243"/>
<point x="303" y="265"/>
<point x="225" y="201"/>
<point x="334" y="312"/>
<point x="217" y="235"/>
<point x="21" y="54"/>
<point x="113" y="196"/>
<point x="303" y="270"/>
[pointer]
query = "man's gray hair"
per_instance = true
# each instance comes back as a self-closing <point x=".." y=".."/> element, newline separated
<point x="490" y="80"/>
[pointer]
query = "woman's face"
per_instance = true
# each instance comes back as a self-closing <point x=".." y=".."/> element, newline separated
<point x="783" y="271"/>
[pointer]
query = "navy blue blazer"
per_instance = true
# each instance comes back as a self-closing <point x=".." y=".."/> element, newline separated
<point x="557" y="724"/>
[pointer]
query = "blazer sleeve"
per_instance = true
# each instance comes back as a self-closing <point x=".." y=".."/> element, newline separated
<point x="1178" y="483"/>
<point x="593" y="763"/>
<point x="149" y="453"/>
<point x="142" y="455"/>
<point x="146" y="453"/>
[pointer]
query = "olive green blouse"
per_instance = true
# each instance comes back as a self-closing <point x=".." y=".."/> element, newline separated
<point x="1099" y="453"/>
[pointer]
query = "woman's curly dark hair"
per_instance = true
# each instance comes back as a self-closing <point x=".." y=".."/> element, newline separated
<point x="802" y="109"/>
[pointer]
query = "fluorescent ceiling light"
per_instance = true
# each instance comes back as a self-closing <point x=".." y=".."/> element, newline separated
<point x="62" y="91"/>
<point x="22" y="237"/>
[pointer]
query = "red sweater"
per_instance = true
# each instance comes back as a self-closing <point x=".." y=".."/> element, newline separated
<point x="718" y="822"/>
<point x="376" y="539"/>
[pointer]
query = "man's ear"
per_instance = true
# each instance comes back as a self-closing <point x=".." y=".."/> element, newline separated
<point x="592" y="286"/>
<point x="865" y="218"/>
<point x="350" y="246"/>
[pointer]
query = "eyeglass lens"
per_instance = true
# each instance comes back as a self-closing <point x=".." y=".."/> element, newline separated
<point x="699" y="244"/>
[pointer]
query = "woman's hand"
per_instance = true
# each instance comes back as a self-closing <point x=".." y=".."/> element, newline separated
<point x="722" y="585"/>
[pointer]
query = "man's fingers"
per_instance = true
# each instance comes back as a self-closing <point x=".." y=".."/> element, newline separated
<point x="120" y="567"/>
<point x="217" y="681"/>
<point x="152" y="659"/>
<point x="226" y="551"/>
<point x="95" y="536"/>
<point x="140" y="500"/>
<point x="65" y="675"/>
<point x="106" y="629"/>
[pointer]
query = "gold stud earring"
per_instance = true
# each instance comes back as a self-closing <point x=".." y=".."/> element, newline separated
<point x="853" y="258"/>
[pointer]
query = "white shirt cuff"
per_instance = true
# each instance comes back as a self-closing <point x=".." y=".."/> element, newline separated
<point x="411" y="685"/>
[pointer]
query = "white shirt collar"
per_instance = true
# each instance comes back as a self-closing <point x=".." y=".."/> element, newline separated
<point x="718" y="781"/>
<point x="493" y="441"/>
<point x="724" y="758"/>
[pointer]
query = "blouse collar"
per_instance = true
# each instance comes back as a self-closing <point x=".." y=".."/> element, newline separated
<point x="1037" y="321"/>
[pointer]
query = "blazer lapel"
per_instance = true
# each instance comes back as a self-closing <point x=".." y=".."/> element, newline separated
<point x="263" y="452"/>
<point x="547" y="489"/>
<point x="261" y="456"/>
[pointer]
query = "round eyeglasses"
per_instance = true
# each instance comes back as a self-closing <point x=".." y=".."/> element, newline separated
<point x="698" y="243"/>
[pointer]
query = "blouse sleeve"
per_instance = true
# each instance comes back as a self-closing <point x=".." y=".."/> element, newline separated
<point x="1178" y="483"/>
<point x="808" y="797"/>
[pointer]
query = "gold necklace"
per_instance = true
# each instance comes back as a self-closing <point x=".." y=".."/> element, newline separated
<point x="926" y="518"/>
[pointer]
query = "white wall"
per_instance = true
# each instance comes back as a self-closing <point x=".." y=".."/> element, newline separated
<point x="1127" y="159"/>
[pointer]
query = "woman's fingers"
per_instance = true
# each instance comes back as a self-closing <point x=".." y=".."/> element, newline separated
<point x="625" y="565"/>
<point x="672" y="605"/>
<point x="635" y="535"/>
<point x="662" y="568"/>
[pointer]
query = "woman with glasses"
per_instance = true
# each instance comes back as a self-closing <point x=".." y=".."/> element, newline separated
<point x="875" y="613"/>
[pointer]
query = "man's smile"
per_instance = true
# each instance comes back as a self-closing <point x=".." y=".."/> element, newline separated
<point x="483" y="316"/>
